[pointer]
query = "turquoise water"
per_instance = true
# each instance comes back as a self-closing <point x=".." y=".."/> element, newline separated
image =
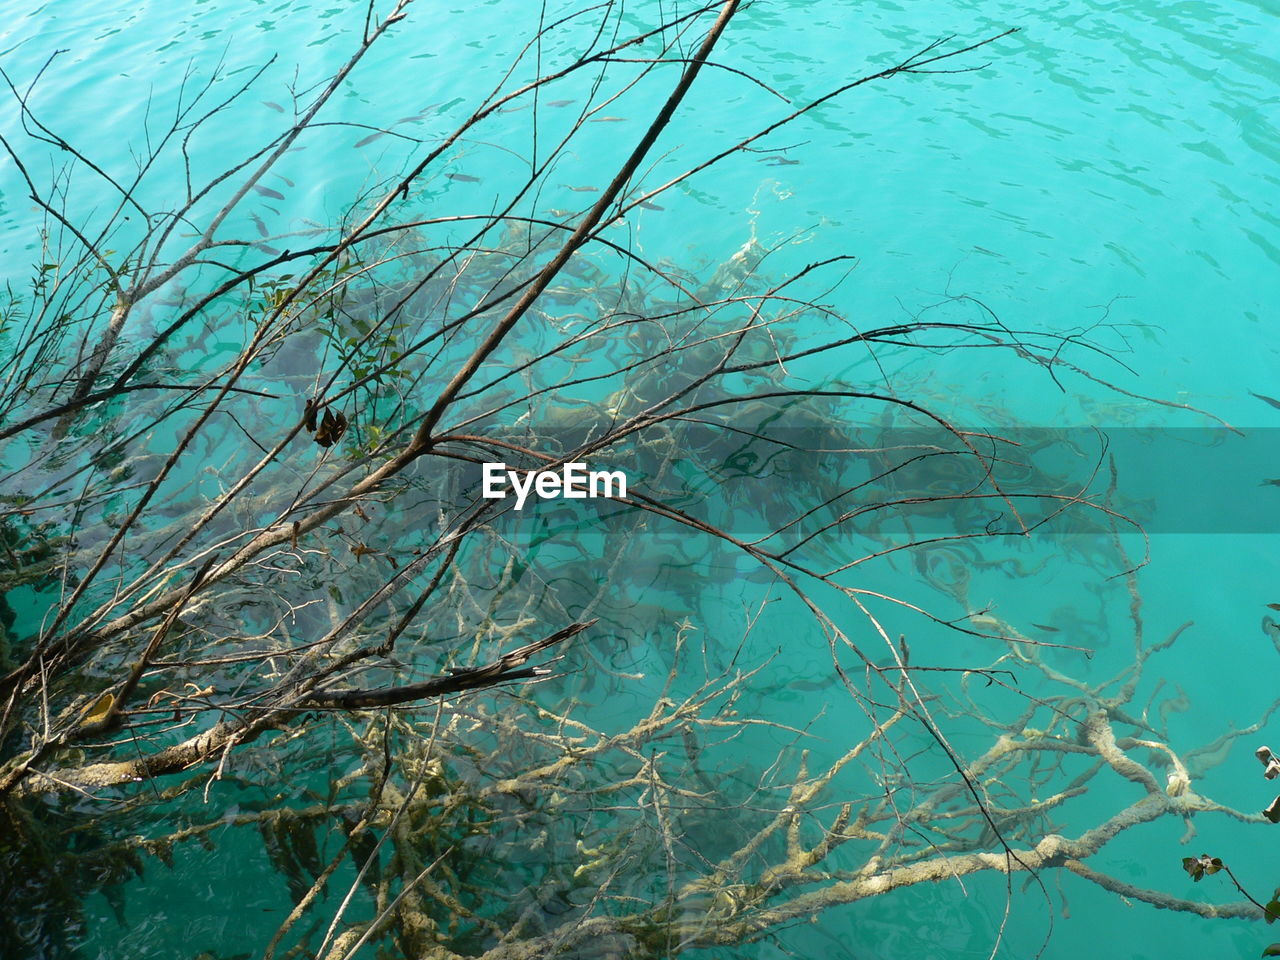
<point x="1111" y="170"/>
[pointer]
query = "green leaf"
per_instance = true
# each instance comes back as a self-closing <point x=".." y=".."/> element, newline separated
<point x="1272" y="951"/>
<point x="1271" y="912"/>
<point x="1199" y="867"/>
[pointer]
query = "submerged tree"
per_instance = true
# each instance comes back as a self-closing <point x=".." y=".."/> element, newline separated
<point x="257" y="589"/>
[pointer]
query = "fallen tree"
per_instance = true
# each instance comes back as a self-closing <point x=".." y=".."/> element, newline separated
<point x="268" y="572"/>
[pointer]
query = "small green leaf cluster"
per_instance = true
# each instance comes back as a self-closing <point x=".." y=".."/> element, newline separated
<point x="1201" y="866"/>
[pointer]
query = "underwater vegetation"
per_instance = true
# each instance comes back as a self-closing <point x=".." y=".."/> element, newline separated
<point x="260" y="624"/>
